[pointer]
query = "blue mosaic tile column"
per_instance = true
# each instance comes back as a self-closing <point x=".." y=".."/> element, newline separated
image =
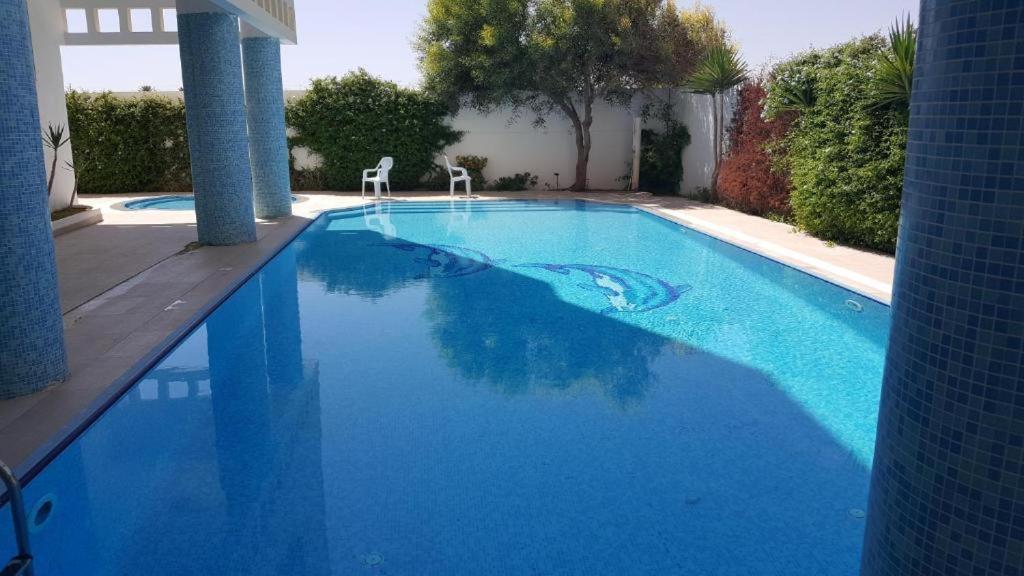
<point x="268" y="145"/>
<point x="32" y="354"/>
<point x="211" y="69"/>
<point x="947" y="492"/>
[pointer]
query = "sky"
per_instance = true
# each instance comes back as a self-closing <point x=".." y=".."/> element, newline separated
<point x="337" y="36"/>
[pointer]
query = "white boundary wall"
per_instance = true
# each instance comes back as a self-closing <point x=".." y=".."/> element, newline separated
<point x="512" y="147"/>
<point x="519" y="147"/>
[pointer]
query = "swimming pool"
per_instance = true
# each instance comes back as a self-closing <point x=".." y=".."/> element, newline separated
<point x="187" y="203"/>
<point x="488" y="387"/>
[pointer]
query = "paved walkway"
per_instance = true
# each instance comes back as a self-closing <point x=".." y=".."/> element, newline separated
<point x="131" y="286"/>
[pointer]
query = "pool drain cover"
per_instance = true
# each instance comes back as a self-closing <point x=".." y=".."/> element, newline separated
<point x="373" y="559"/>
<point x="857" y="513"/>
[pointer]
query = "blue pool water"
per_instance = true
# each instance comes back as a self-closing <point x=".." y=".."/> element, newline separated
<point x="488" y="388"/>
<point x="187" y="203"/>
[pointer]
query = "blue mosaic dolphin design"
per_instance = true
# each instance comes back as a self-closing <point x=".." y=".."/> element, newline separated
<point x="446" y="261"/>
<point x="626" y="290"/>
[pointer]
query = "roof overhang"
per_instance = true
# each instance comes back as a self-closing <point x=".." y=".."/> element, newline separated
<point x="154" y="21"/>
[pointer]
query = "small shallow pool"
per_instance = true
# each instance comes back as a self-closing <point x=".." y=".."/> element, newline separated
<point x="187" y="203"/>
<point x="491" y="387"/>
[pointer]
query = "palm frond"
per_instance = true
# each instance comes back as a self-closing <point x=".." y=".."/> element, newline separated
<point x="796" y="96"/>
<point x="720" y="70"/>
<point x="54" y="138"/>
<point x="894" y="78"/>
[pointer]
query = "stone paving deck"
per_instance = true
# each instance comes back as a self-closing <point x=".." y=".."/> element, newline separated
<point x="132" y="285"/>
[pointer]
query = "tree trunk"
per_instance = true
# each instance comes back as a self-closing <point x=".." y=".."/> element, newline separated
<point x="716" y="127"/>
<point x="74" y="191"/>
<point x="53" y="174"/>
<point x="581" y="129"/>
<point x="582" y="157"/>
<point x="634" y="174"/>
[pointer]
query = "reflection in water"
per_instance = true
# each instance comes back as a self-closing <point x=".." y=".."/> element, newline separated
<point x="517" y="335"/>
<point x="339" y="261"/>
<point x="494" y="325"/>
<point x="217" y="462"/>
<point x="267" y="424"/>
<point x="711" y="470"/>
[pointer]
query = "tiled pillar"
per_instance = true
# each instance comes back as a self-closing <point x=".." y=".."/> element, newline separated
<point x="947" y="493"/>
<point x="211" y="69"/>
<point x="32" y="354"/>
<point x="268" y="145"/>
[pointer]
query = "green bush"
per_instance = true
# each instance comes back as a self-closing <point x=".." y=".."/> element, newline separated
<point x="353" y="121"/>
<point x="845" y="154"/>
<point x="438" y="179"/>
<point x="524" y="181"/>
<point x="661" y="158"/>
<point x="474" y="166"/>
<point x="128" y="144"/>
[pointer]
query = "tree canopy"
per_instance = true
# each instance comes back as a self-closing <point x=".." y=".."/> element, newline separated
<point x="544" y="56"/>
<point x="704" y="29"/>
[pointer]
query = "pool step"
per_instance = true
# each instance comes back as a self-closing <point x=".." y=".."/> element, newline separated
<point x="20" y="565"/>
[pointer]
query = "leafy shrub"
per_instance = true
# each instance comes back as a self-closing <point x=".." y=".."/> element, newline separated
<point x="845" y="154"/>
<point x="353" y="121"/>
<point x="129" y="144"/>
<point x="524" y="181"/>
<point x="438" y="179"/>
<point x="747" y="179"/>
<point x="474" y="165"/>
<point x="307" y="180"/>
<point x="661" y="158"/>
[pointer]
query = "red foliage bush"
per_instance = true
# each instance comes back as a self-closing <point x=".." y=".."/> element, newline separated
<point x="746" y="178"/>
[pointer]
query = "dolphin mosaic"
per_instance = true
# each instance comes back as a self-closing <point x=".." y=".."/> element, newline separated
<point x="445" y="261"/>
<point x="626" y="290"/>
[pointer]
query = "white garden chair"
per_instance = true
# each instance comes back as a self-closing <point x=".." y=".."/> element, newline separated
<point x="464" y="177"/>
<point x="380" y="175"/>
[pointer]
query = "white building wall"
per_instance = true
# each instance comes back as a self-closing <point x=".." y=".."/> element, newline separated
<point x="47" y="23"/>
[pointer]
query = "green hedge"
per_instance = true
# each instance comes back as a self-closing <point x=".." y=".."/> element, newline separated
<point x="128" y="144"/>
<point x="352" y="121"/>
<point x="845" y="156"/>
<point x="661" y="158"/>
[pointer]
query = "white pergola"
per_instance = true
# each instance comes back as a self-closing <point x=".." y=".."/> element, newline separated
<point x="135" y="22"/>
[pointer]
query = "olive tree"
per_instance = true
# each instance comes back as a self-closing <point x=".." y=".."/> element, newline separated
<point x="551" y="56"/>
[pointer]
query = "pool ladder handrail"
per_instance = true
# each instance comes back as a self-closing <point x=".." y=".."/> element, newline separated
<point x="20" y="565"/>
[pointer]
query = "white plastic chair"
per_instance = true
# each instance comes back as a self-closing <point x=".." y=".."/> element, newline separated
<point x="464" y="177"/>
<point x="380" y="174"/>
